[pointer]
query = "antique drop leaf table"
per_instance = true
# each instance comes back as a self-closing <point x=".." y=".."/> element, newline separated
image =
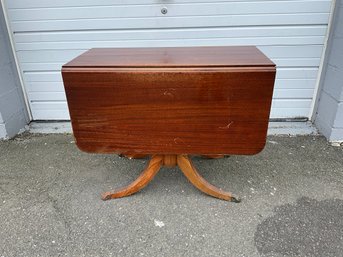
<point x="170" y="103"/>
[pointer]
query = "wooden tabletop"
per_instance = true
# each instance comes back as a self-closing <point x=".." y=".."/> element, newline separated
<point x="202" y="100"/>
<point x="221" y="56"/>
<point x="170" y="103"/>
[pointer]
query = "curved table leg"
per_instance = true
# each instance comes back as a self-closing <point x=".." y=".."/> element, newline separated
<point x="146" y="176"/>
<point x="199" y="182"/>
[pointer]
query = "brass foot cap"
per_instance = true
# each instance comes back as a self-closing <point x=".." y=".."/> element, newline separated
<point x="235" y="199"/>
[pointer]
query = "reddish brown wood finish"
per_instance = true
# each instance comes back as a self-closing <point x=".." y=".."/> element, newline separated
<point x="170" y="111"/>
<point x="186" y="166"/>
<point x="214" y="156"/>
<point x="169" y="102"/>
<point x="222" y="56"/>
<point x="142" y="181"/>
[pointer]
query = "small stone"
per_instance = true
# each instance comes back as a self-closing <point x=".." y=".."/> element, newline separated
<point x="159" y="223"/>
<point x="273" y="142"/>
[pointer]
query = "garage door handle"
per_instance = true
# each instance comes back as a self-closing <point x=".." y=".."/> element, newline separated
<point x="164" y="10"/>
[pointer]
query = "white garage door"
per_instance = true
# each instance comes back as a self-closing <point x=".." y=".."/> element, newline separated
<point x="48" y="33"/>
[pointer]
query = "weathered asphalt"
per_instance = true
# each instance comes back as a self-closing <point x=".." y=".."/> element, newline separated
<point x="50" y="203"/>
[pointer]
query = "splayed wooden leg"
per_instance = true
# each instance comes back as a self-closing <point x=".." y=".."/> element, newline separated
<point x="199" y="182"/>
<point x="186" y="166"/>
<point x="146" y="176"/>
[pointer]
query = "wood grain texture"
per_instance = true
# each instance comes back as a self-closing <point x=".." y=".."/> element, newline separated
<point x="188" y="169"/>
<point x="220" y="56"/>
<point x="153" y="167"/>
<point x="171" y="110"/>
<point x="186" y="166"/>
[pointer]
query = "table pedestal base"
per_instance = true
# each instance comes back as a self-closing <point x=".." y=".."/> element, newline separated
<point x="186" y="166"/>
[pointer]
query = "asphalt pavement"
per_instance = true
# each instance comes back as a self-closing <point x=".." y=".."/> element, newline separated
<point x="292" y="203"/>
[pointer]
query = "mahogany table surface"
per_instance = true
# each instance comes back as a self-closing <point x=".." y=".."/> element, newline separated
<point x="187" y="100"/>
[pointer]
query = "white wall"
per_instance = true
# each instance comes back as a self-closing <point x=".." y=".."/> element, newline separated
<point x="13" y="113"/>
<point x="329" y="116"/>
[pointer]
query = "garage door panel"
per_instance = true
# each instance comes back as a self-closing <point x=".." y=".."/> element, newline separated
<point x="49" y="33"/>
<point x="45" y="56"/>
<point x="292" y="51"/>
<point x="289" y="112"/>
<point x="39" y="66"/>
<point x="88" y="3"/>
<point x="43" y="76"/>
<point x="296" y="73"/>
<point x="295" y="83"/>
<point x="297" y="62"/>
<point x="260" y="41"/>
<point x="44" y="87"/>
<point x="174" y="10"/>
<point x="225" y="32"/>
<point x="50" y="110"/>
<point x="47" y="96"/>
<point x="294" y="93"/>
<point x="64" y="55"/>
<point x="173" y="22"/>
